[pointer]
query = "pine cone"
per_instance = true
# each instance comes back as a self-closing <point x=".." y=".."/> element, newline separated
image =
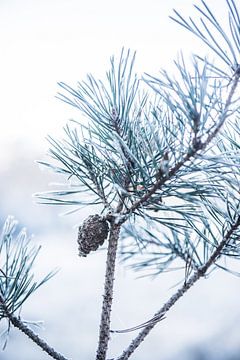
<point x="91" y="234"/>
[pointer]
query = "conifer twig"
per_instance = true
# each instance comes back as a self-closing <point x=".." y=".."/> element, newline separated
<point x="19" y="324"/>
<point x="181" y="291"/>
<point x="108" y="293"/>
<point x="104" y="333"/>
<point x="197" y="146"/>
<point x="201" y="271"/>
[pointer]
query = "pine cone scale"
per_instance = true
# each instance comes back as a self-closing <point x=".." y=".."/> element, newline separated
<point x="92" y="234"/>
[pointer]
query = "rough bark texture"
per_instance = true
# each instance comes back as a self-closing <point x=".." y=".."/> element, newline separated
<point x="108" y="293"/>
<point x="34" y="337"/>
<point x="19" y="324"/>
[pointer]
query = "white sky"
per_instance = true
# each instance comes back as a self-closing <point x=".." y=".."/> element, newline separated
<point x="45" y="41"/>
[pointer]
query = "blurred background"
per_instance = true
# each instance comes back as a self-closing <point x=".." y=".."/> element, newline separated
<point x="43" y="42"/>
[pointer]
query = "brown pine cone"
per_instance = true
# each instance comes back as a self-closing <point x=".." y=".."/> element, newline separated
<point x="91" y="234"/>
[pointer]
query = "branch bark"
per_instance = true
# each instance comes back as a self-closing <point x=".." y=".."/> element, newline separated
<point x="19" y="324"/>
<point x="181" y="291"/>
<point x="104" y="333"/>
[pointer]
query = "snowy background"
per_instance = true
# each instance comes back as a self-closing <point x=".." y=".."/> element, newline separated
<point x="43" y="42"/>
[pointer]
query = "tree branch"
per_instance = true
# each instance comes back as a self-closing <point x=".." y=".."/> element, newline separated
<point x="19" y="324"/>
<point x="104" y="333"/>
<point x="108" y="293"/>
<point x="196" y="147"/>
<point x="174" y="298"/>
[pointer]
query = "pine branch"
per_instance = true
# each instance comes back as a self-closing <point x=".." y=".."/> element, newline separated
<point x="104" y="333"/>
<point x="196" y="146"/>
<point x="193" y="150"/>
<point x="108" y="293"/>
<point x="201" y="272"/>
<point x="19" y="324"/>
<point x="129" y="164"/>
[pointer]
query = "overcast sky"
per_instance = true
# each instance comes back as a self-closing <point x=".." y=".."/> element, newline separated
<point x="46" y="41"/>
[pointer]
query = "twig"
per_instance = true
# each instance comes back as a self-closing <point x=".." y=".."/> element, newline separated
<point x="114" y="234"/>
<point x="108" y="293"/>
<point x="104" y="333"/>
<point x="197" y="146"/>
<point x="19" y="324"/>
<point x="147" y="327"/>
<point x="173" y="299"/>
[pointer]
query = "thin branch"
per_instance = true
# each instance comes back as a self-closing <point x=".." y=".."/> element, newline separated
<point x="224" y="115"/>
<point x="108" y="293"/>
<point x="197" y="146"/>
<point x="104" y="333"/>
<point x="19" y="324"/>
<point x="187" y="285"/>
